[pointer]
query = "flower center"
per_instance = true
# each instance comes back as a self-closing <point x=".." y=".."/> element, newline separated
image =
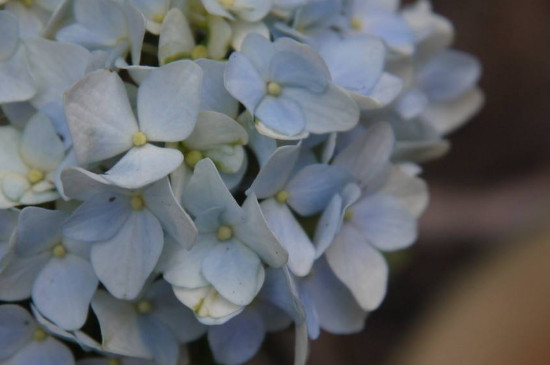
<point x="225" y="233"/>
<point x="35" y="176"/>
<point x="158" y="18"/>
<point x="39" y="335"/>
<point x="28" y="3"/>
<point x="282" y="196"/>
<point x="273" y="88"/>
<point x="227" y="3"/>
<point x="193" y="157"/>
<point x="59" y="250"/>
<point x="137" y="202"/>
<point x="139" y="139"/>
<point x="144" y="307"/>
<point x="348" y="215"/>
<point x="356" y="23"/>
<point x="199" y="51"/>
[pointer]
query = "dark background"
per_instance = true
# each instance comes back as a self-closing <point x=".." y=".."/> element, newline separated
<point x="489" y="196"/>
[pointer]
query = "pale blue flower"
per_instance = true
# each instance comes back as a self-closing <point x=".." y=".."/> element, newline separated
<point x="150" y="327"/>
<point x="232" y="246"/>
<point x="103" y="125"/>
<point x="8" y="223"/>
<point x="119" y="222"/>
<point x="307" y="191"/>
<point x="13" y="62"/>
<point x="117" y="27"/>
<point x="288" y="102"/>
<point x="25" y="342"/>
<point x="249" y="10"/>
<point x="28" y="162"/>
<point x="35" y="17"/>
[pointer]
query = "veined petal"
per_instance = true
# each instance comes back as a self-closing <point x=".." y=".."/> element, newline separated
<point x="244" y="82"/>
<point x="214" y="96"/>
<point x="235" y="271"/>
<point x="124" y="262"/>
<point x="17" y="279"/>
<point x="143" y="165"/>
<point x="274" y="175"/>
<point x="16" y="328"/>
<point x="100" y="117"/>
<point x="360" y="267"/>
<point x="38" y="230"/>
<point x="160" y="200"/>
<point x="41" y="148"/>
<point x="282" y="115"/>
<point x="15" y="78"/>
<point x="255" y="233"/>
<point x="63" y="291"/>
<point x="168" y="101"/>
<point x="47" y="352"/>
<point x="237" y="340"/>
<point x="291" y="235"/>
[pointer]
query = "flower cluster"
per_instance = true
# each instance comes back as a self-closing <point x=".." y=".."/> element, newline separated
<point x="177" y="168"/>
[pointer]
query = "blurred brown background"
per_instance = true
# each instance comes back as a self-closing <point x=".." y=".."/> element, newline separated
<point x="476" y="287"/>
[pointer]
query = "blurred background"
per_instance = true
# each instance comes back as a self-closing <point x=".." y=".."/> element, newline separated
<point x="476" y="287"/>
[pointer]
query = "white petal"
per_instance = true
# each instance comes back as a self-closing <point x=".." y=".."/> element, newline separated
<point x="291" y="235"/>
<point x="214" y="129"/>
<point x="410" y="190"/>
<point x="124" y="262"/>
<point x="16" y="328"/>
<point x="10" y="142"/>
<point x="360" y="267"/>
<point x="13" y="187"/>
<point x="168" y="101"/>
<point x="176" y="39"/>
<point x="235" y="271"/>
<point x="209" y="306"/>
<point x="274" y="175"/>
<point x="100" y="117"/>
<point x="144" y="165"/>
<point x="63" y="290"/>
<point x="136" y="30"/>
<point x="160" y="200"/>
<point x="214" y="96"/>
<point x="82" y="185"/>
<point x="41" y="148"/>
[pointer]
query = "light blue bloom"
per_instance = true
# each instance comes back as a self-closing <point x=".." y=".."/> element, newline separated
<point x="103" y="125"/>
<point x="25" y="342"/>
<point x="64" y="281"/>
<point x="288" y="102"/>
<point x="307" y="191"/>
<point x="116" y="27"/>
<point x="150" y="327"/>
<point x="13" y="62"/>
<point x="35" y="17"/>
<point x="249" y="10"/>
<point x="126" y="227"/>
<point x="232" y="246"/>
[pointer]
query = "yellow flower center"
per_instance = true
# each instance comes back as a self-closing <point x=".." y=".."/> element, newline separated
<point x="113" y="361"/>
<point x="199" y="51"/>
<point x="39" y="335"/>
<point x="193" y="157"/>
<point x="35" y="176"/>
<point x="227" y="3"/>
<point x="139" y="139"/>
<point x="158" y="18"/>
<point x="144" y="307"/>
<point x="28" y="3"/>
<point x="282" y="196"/>
<point x="137" y="202"/>
<point x="356" y="23"/>
<point x="348" y="215"/>
<point x="225" y="233"/>
<point x="273" y="88"/>
<point x="59" y="250"/>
